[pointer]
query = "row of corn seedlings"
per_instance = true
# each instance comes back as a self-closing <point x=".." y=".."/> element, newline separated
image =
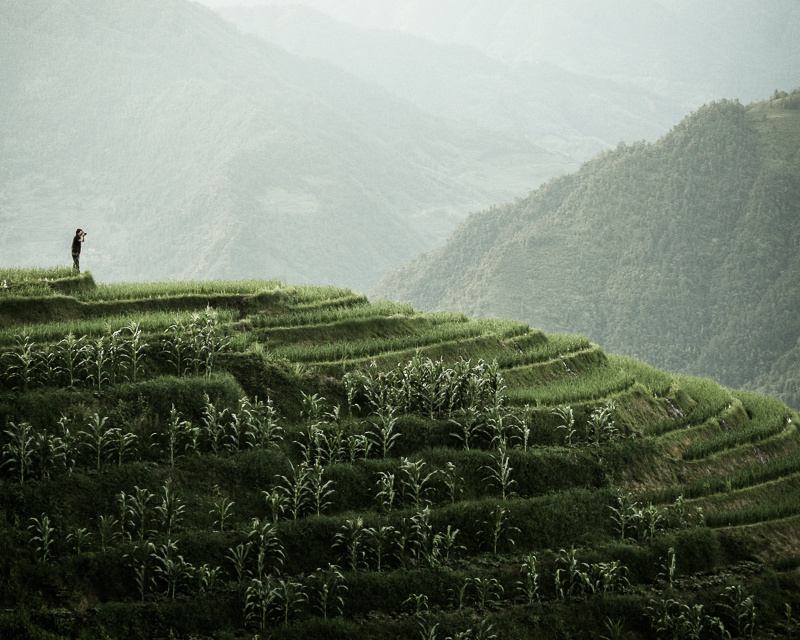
<point x="189" y="346"/>
<point x="643" y="521"/>
<point x="328" y="315"/>
<point x="33" y="453"/>
<point x="599" y="427"/>
<point x="428" y="387"/>
<point x="733" y="615"/>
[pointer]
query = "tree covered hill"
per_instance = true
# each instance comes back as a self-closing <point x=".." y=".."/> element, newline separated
<point x="241" y="459"/>
<point x="186" y="148"/>
<point x="682" y="252"/>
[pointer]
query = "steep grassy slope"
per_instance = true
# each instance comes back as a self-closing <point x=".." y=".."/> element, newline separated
<point x="681" y="253"/>
<point x="236" y="458"/>
<point x="188" y="149"/>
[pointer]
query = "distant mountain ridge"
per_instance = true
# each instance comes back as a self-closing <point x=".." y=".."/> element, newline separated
<point x="682" y="253"/>
<point x="189" y="150"/>
<point x="566" y="112"/>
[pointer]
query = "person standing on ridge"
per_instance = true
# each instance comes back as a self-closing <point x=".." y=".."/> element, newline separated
<point x="80" y="234"/>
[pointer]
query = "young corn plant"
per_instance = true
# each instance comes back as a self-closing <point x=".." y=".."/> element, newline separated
<point x="296" y="488"/>
<point x="277" y="502"/>
<point x="384" y="435"/>
<point x="328" y="591"/>
<point x="97" y="439"/>
<point x="669" y="567"/>
<point x="133" y="352"/>
<point x="624" y="513"/>
<point x="380" y="541"/>
<point x="417" y="486"/>
<point x="454" y="483"/>
<point x="320" y="490"/>
<point x="238" y="557"/>
<point x="222" y="512"/>
<point x="142" y="559"/>
<point x="568" y="423"/>
<point x="136" y="511"/>
<point x="18" y="452"/>
<point x="170" y="512"/>
<point x="500" y="472"/>
<point x="387" y="495"/>
<point x="122" y="444"/>
<point x="260" y="603"/>
<point x="214" y="426"/>
<point x="270" y="555"/>
<point x="79" y="539"/>
<point x="23" y="367"/>
<point x="740" y="610"/>
<point x="498" y="530"/>
<point x="42" y="537"/>
<point x="108" y="529"/>
<point x="470" y="427"/>
<point x="290" y="596"/>
<point x="69" y="355"/>
<point x="486" y="592"/>
<point x="97" y="361"/>
<point x="171" y="567"/>
<point x="206" y="578"/>
<point x="263" y="428"/>
<point x="445" y="544"/>
<point x="528" y="587"/>
<point x="351" y="541"/>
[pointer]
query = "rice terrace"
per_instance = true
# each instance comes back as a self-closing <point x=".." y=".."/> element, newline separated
<point x="251" y="459"/>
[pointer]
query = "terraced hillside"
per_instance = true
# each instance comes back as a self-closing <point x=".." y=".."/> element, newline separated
<point x="242" y="459"/>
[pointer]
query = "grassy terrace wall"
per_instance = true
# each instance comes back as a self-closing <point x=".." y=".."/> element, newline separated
<point x="242" y="459"/>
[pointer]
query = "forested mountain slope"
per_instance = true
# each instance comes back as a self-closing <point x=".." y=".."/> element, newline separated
<point x="188" y="149"/>
<point x="574" y="114"/>
<point x="683" y="253"/>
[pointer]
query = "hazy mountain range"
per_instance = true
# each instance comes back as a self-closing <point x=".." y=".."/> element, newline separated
<point x="683" y="253"/>
<point x="189" y="150"/>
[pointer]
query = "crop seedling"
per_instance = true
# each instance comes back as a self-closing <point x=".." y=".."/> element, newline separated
<point x="416" y="484"/>
<point x="500" y="472"/>
<point x="141" y="558"/>
<point x="528" y="587"/>
<point x="18" y="453"/>
<point x="386" y="491"/>
<point x="320" y="490"/>
<point x="296" y="488"/>
<point x="350" y="539"/>
<point x="487" y="592"/>
<point x="223" y="507"/>
<point x="567" y="423"/>
<point x="270" y="555"/>
<point x="453" y="482"/>
<point x="170" y="511"/>
<point x="238" y="556"/>
<point x="108" y="528"/>
<point x="42" y="537"/>
<point x="498" y="529"/>
<point x="97" y="439"/>
<point x="384" y="435"/>
<point x="79" y="538"/>
<point x="328" y="591"/>
<point x="206" y="578"/>
<point x="380" y="541"/>
<point x="171" y="566"/>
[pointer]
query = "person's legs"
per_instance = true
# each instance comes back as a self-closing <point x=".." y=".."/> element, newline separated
<point x="76" y="261"/>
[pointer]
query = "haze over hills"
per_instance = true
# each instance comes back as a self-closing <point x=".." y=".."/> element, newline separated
<point x="189" y="150"/>
<point x="688" y="50"/>
<point x="577" y="115"/>
<point x="683" y="253"/>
